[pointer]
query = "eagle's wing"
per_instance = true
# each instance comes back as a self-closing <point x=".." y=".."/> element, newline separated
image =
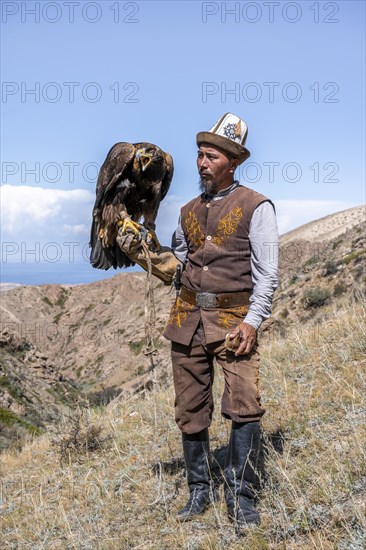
<point x="168" y="175"/>
<point x="114" y="169"/>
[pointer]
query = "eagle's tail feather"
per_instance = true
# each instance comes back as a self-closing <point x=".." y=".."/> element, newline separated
<point x="105" y="258"/>
<point x="97" y="256"/>
<point x="118" y="258"/>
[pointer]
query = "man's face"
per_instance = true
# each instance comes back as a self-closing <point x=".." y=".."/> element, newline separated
<point x="215" y="168"/>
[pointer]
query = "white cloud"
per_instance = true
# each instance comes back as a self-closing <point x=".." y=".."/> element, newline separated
<point x="34" y="213"/>
<point x="79" y="229"/>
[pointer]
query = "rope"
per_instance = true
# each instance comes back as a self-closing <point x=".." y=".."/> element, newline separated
<point x="151" y="350"/>
<point x="149" y="304"/>
<point x="150" y="318"/>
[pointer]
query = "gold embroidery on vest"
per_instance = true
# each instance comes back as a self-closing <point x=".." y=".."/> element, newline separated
<point x="193" y="229"/>
<point x="231" y="317"/>
<point x="179" y="312"/>
<point x="227" y="225"/>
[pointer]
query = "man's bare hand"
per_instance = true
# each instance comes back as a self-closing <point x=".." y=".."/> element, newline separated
<point x="248" y="336"/>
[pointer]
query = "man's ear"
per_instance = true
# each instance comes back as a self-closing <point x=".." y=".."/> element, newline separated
<point x="234" y="165"/>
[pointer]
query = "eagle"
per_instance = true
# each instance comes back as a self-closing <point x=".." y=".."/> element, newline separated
<point x="133" y="180"/>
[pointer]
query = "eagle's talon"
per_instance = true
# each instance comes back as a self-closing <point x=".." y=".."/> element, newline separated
<point x="144" y="234"/>
<point x="153" y="241"/>
<point x="127" y="223"/>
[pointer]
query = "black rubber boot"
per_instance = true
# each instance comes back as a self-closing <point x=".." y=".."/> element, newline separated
<point x="196" y="449"/>
<point x="241" y="478"/>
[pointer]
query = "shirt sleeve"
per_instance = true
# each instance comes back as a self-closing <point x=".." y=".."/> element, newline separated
<point x="179" y="243"/>
<point x="264" y="241"/>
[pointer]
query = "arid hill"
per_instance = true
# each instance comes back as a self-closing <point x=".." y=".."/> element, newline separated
<point x="33" y="392"/>
<point x="319" y="262"/>
<point x="92" y="337"/>
<point x="113" y="478"/>
<point x="329" y="227"/>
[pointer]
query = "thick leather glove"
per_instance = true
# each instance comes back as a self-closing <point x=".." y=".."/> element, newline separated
<point x="163" y="261"/>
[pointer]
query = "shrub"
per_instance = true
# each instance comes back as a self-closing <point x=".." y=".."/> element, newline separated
<point x="347" y="259"/>
<point x="337" y="243"/>
<point x="293" y="279"/>
<point x="340" y="288"/>
<point x="284" y="313"/>
<point x="311" y="261"/>
<point x="79" y="438"/>
<point x="104" y="396"/>
<point x="330" y="268"/>
<point x="62" y="298"/>
<point x="57" y="317"/>
<point x="9" y="418"/>
<point x="359" y="271"/>
<point x="136" y="347"/>
<point x="315" y="297"/>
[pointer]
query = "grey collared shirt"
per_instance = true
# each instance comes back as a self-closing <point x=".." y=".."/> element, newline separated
<point x="264" y="241"/>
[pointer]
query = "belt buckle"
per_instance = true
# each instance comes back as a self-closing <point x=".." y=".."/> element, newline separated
<point x="206" y="299"/>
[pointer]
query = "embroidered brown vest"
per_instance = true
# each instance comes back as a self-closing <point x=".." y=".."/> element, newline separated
<point x="217" y="236"/>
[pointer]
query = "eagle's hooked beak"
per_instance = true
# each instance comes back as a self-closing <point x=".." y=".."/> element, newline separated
<point x="144" y="158"/>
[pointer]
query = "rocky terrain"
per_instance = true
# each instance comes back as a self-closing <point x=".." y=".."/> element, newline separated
<point x="88" y="341"/>
<point x="113" y="477"/>
<point x="319" y="262"/>
<point x="94" y="333"/>
<point x="33" y="392"/>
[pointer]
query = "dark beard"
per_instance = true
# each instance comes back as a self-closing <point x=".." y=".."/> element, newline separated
<point x="207" y="187"/>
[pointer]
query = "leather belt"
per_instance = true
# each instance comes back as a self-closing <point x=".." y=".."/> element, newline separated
<point x="210" y="300"/>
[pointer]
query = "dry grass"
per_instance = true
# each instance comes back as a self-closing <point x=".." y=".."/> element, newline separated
<point x="79" y="437"/>
<point x="124" y="495"/>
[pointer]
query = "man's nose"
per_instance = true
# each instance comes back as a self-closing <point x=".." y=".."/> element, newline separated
<point x="202" y="162"/>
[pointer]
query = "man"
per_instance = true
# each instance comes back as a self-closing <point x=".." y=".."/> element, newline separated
<point x="227" y="241"/>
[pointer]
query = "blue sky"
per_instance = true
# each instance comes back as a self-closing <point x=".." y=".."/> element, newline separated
<point x="110" y="71"/>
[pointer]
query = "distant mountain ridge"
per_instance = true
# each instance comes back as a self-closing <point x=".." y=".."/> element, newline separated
<point x="328" y="227"/>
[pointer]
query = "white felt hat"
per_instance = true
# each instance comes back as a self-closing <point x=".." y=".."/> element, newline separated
<point x="229" y="134"/>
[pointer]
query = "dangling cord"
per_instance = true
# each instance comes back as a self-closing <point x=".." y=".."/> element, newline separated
<point x="151" y="350"/>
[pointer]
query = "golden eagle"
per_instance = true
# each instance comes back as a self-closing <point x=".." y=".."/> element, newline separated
<point x="133" y="180"/>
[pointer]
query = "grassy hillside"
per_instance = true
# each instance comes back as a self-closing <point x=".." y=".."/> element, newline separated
<point x="88" y="341"/>
<point x="113" y="477"/>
